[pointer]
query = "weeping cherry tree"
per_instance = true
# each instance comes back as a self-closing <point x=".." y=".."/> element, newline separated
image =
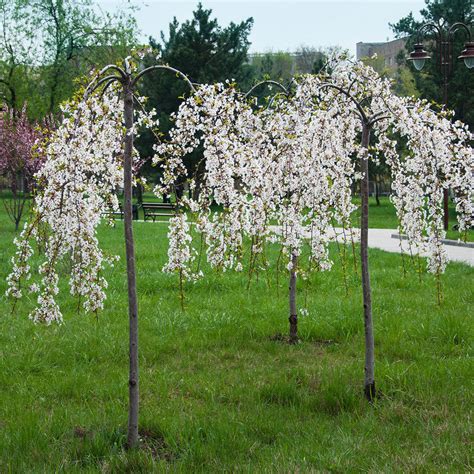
<point x="88" y="159"/>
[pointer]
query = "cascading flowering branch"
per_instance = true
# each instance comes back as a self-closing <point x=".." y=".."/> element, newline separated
<point x="439" y="158"/>
<point x="437" y="152"/>
<point x="316" y="184"/>
<point x="259" y="166"/>
<point x="213" y="117"/>
<point x="294" y="164"/>
<point x="77" y="184"/>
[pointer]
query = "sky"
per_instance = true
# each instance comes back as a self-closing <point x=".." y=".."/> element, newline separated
<point x="284" y="25"/>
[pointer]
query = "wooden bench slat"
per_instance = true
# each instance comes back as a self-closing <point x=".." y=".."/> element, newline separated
<point x="151" y="210"/>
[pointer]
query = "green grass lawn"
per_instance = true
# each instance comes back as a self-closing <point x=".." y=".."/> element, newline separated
<point x="219" y="393"/>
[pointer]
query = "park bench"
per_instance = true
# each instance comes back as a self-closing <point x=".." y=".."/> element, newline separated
<point x="154" y="210"/>
<point x="119" y="214"/>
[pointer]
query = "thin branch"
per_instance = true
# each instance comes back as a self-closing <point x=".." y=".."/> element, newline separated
<point x="107" y="86"/>
<point x="267" y="82"/>
<point x="362" y="113"/>
<point x="166" y="68"/>
<point x="94" y="87"/>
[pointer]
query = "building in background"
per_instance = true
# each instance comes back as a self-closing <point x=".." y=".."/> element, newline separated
<point x="388" y="50"/>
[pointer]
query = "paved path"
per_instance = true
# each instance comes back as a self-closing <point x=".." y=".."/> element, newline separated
<point x="382" y="239"/>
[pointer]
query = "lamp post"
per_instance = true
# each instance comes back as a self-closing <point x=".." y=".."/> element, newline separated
<point x="444" y="44"/>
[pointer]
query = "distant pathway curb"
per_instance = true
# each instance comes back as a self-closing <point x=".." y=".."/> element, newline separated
<point x="389" y="240"/>
<point x="456" y="243"/>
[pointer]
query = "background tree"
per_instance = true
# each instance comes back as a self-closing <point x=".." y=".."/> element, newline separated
<point x="18" y="51"/>
<point x="206" y="53"/>
<point x="309" y="59"/>
<point x="403" y="78"/>
<point x="18" y="160"/>
<point x="76" y="39"/>
<point x="282" y="66"/>
<point x="429" y="82"/>
<point x="46" y="44"/>
<point x="278" y="66"/>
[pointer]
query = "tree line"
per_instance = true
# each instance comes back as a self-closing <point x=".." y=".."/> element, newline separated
<point x="47" y="47"/>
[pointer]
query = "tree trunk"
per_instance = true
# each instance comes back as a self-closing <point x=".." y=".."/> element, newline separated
<point x="377" y="194"/>
<point x="292" y="300"/>
<point x="446" y="209"/>
<point x="132" y="435"/>
<point x="369" y="382"/>
<point x="139" y="194"/>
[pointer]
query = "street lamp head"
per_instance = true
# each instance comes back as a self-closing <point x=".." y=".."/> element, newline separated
<point x="418" y="56"/>
<point x="468" y="55"/>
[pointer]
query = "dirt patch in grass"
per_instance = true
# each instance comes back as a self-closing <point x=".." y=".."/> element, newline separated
<point x="279" y="337"/>
<point x="283" y="338"/>
<point x="324" y="342"/>
<point x="153" y="441"/>
<point x="82" y="433"/>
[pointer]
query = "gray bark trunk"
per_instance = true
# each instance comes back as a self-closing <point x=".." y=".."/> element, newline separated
<point x="132" y="435"/>
<point x="292" y="300"/>
<point x="369" y="382"/>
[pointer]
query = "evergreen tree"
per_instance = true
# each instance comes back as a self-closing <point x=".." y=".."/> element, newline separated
<point x="443" y="13"/>
<point x="205" y="52"/>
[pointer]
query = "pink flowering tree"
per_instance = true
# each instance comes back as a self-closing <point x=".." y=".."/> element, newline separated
<point x="19" y="160"/>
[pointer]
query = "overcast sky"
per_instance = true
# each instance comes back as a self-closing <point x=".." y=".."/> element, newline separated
<point x="284" y="25"/>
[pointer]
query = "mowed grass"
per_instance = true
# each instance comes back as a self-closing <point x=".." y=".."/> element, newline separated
<point x="220" y="393"/>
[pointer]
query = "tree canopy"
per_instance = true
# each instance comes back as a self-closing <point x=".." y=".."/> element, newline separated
<point x="45" y="45"/>
<point x="429" y="82"/>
